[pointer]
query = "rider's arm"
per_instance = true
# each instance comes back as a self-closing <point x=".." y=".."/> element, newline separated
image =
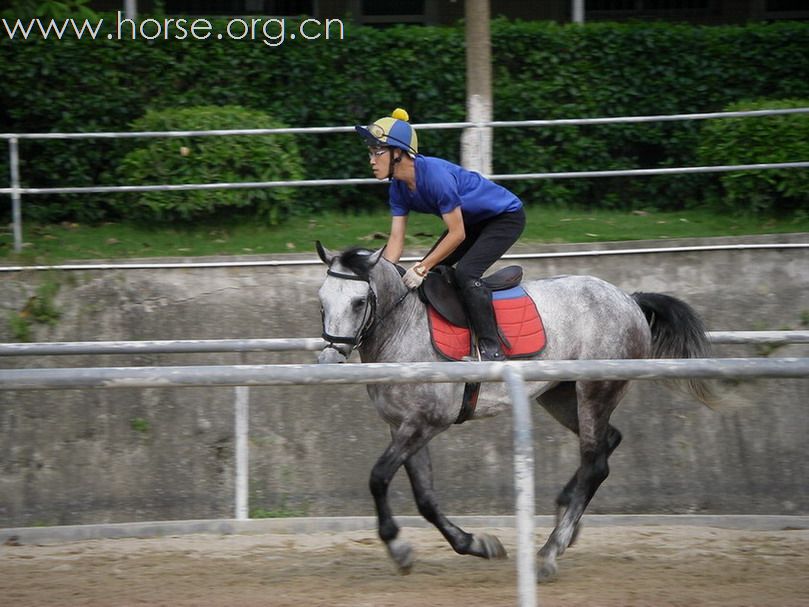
<point x="395" y="246"/>
<point x="455" y="236"/>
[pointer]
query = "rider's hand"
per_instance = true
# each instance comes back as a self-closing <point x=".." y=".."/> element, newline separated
<point x="415" y="276"/>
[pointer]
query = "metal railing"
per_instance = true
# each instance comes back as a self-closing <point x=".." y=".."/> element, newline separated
<point x="298" y="344"/>
<point x="513" y="374"/>
<point x="241" y="262"/>
<point x="16" y="190"/>
<point x="195" y="376"/>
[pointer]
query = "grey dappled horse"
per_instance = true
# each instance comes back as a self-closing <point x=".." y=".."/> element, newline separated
<point x="366" y="305"/>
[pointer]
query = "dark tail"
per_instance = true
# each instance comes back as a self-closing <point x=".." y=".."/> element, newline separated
<point x="677" y="332"/>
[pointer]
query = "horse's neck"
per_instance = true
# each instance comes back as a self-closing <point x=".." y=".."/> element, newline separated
<point x="397" y="319"/>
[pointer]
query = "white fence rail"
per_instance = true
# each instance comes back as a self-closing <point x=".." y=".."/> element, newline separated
<point x="300" y="344"/>
<point x="512" y="373"/>
<point x="239" y="262"/>
<point x="16" y="190"/>
<point x="69" y="378"/>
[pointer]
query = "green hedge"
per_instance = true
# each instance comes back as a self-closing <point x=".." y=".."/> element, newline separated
<point x="541" y="70"/>
<point x="770" y="139"/>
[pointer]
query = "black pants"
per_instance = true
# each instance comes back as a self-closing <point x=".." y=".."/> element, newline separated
<point x="485" y="243"/>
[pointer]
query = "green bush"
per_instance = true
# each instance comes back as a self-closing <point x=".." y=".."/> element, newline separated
<point x="766" y="139"/>
<point x="209" y="160"/>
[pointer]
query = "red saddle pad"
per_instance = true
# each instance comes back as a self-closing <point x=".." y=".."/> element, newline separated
<point x="517" y="318"/>
<point x="450" y="341"/>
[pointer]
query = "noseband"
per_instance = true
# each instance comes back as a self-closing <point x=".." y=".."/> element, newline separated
<point x="370" y="322"/>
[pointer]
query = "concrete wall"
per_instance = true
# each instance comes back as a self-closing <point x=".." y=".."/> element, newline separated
<point x="70" y="457"/>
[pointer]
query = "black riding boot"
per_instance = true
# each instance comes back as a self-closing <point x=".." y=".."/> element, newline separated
<point x="478" y="300"/>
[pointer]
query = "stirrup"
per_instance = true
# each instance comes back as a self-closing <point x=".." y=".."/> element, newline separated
<point x="478" y="356"/>
<point x="497" y="356"/>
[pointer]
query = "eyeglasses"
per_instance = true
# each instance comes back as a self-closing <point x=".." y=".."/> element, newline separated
<point x="376" y="152"/>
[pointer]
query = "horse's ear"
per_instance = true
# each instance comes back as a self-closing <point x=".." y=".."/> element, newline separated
<point x="325" y="255"/>
<point x="376" y="256"/>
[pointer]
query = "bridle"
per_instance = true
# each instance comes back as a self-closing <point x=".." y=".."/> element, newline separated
<point x="355" y="340"/>
<point x="368" y="325"/>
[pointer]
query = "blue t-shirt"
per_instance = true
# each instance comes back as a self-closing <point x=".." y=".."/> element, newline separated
<point x="442" y="186"/>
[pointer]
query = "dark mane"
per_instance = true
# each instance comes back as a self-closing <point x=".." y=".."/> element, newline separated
<point x="356" y="259"/>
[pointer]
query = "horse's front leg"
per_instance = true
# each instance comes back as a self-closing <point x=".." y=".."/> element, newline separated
<point x="408" y="439"/>
<point x="419" y="469"/>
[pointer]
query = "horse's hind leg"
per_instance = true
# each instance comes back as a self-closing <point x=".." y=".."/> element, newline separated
<point x="562" y="403"/>
<point x="584" y="409"/>
<point x="566" y="495"/>
<point x="419" y="469"/>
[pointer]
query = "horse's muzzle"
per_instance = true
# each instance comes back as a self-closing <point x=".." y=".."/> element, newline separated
<point x="330" y="355"/>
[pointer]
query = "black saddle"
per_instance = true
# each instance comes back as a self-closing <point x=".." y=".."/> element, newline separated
<point x="439" y="290"/>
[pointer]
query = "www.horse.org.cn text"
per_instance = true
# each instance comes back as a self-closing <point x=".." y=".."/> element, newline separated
<point x="272" y="31"/>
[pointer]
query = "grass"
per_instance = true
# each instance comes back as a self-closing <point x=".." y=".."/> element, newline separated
<point x="48" y="244"/>
<point x="282" y="512"/>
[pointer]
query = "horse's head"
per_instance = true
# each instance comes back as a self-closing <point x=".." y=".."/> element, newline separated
<point x="347" y="301"/>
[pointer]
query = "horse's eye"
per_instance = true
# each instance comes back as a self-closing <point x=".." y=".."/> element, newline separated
<point x="358" y="303"/>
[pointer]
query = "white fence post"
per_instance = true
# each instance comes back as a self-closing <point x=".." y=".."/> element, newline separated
<point x="16" y="202"/>
<point x="242" y="415"/>
<point x="131" y="9"/>
<point x="577" y="11"/>
<point x="523" y="487"/>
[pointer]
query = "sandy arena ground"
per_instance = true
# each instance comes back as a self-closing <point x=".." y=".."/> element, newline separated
<point x="660" y="566"/>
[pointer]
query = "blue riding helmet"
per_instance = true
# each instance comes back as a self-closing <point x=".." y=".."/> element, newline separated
<point x="391" y="131"/>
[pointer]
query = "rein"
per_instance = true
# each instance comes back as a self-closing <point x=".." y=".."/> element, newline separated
<point x="371" y="321"/>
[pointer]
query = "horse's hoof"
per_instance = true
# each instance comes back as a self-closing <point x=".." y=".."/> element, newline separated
<point x="547" y="572"/>
<point x="488" y="547"/>
<point x="402" y="554"/>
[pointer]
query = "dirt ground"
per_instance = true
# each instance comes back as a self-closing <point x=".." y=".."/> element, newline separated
<point x="661" y="566"/>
